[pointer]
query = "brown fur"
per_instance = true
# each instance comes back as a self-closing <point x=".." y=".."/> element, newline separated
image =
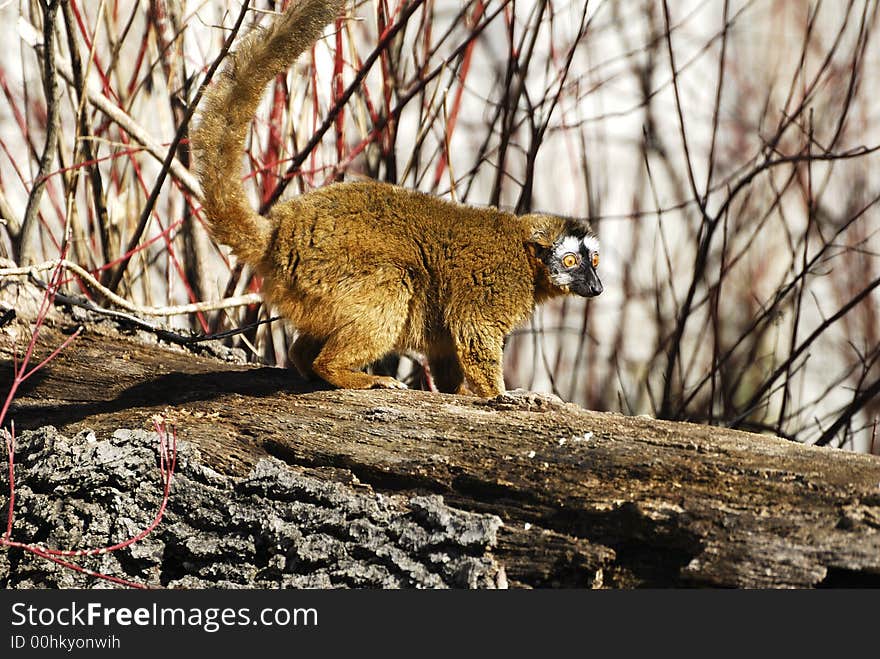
<point x="366" y="269"/>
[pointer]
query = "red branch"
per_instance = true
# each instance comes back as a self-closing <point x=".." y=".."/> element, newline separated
<point x="22" y="371"/>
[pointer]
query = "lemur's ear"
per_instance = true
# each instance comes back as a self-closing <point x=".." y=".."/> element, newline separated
<point x="543" y="230"/>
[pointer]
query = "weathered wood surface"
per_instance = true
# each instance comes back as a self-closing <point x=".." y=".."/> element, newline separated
<point x="586" y="499"/>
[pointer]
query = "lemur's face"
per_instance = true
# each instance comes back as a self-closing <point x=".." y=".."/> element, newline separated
<point x="572" y="262"/>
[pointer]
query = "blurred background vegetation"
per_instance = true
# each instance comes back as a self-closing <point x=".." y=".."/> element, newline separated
<point x="723" y="150"/>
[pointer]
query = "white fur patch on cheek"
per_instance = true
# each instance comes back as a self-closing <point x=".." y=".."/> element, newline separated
<point x="561" y="278"/>
<point x="568" y="244"/>
<point x="591" y="243"/>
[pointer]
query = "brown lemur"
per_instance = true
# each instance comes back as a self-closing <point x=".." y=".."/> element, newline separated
<point x="364" y="269"/>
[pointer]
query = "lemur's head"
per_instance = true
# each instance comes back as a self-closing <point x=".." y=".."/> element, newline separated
<point x="569" y="251"/>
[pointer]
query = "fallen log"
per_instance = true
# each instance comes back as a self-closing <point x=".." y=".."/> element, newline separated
<point x="284" y="483"/>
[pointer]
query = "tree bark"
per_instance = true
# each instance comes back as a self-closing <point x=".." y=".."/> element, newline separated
<point x="413" y="488"/>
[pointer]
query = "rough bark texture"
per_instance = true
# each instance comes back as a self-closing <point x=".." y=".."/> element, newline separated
<point x="274" y="528"/>
<point x="284" y="484"/>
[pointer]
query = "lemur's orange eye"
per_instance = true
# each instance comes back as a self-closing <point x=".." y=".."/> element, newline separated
<point x="595" y="259"/>
<point x="569" y="260"/>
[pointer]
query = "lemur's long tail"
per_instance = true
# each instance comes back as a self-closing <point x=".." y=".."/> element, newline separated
<point x="227" y="109"/>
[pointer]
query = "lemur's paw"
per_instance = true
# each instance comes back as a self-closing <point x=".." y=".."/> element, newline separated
<point x="387" y="382"/>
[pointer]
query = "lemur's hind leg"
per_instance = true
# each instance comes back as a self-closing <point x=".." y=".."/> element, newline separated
<point x="349" y="350"/>
<point x="369" y="334"/>
<point x="303" y="353"/>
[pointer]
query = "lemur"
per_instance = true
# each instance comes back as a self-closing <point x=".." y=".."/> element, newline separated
<point x="365" y="269"/>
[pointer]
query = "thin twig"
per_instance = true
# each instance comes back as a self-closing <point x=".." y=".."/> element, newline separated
<point x="176" y="310"/>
